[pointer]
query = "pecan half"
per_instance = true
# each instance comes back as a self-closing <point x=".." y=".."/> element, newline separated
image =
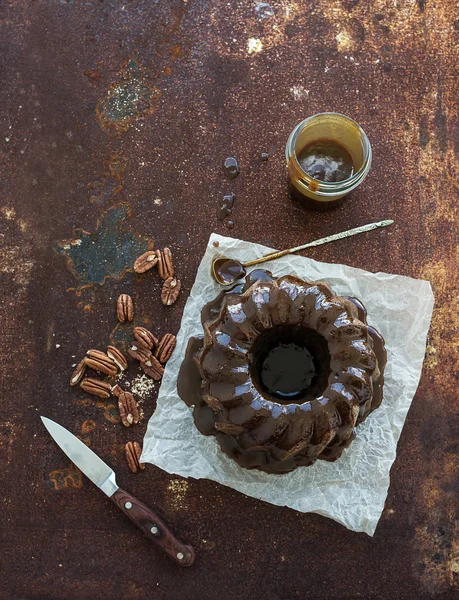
<point x="129" y="411"/>
<point x="117" y="357"/>
<point x="133" y="452"/>
<point x="145" y="337"/>
<point x="125" y="308"/>
<point x="165" y="348"/>
<point x="140" y="353"/>
<point x="100" y="362"/>
<point x="146" y="262"/>
<point x="165" y="266"/>
<point x="170" y="291"/>
<point x="96" y="387"/>
<point x="153" y="368"/>
<point x="117" y="390"/>
<point x="78" y="373"/>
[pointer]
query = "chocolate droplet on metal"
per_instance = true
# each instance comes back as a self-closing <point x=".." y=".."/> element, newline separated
<point x="231" y="167"/>
<point x="225" y="208"/>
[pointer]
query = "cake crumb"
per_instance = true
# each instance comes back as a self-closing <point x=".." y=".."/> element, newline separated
<point x="177" y="492"/>
<point x="142" y="387"/>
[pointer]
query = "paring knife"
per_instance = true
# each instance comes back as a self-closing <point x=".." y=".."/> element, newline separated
<point x="101" y="475"/>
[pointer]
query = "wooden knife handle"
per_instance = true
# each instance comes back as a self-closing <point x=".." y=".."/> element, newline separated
<point x="153" y="527"/>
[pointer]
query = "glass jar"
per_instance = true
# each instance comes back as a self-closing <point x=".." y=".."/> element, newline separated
<point x="332" y="127"/>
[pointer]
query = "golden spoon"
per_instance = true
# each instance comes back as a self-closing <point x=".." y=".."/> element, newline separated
<point x="227" y="271"/>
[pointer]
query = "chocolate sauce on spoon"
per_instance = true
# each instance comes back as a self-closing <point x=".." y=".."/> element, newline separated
<point x="227" y="271"/>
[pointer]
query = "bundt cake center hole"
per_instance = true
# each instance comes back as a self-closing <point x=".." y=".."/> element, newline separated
<point x="290" y="363"/>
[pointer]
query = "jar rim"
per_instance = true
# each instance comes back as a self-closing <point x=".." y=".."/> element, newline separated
<point x="330" y="187"/>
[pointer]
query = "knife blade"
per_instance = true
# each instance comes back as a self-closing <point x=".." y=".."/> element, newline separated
<point x="104" y="478"/>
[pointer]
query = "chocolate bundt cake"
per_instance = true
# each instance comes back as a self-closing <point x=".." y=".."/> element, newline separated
<point x="284" y="372"/>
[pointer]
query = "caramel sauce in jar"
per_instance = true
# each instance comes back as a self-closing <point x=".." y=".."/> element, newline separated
<point x="326" y="160"/>
<point x="328" y="155"/>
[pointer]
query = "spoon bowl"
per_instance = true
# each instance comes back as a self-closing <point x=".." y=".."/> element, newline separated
<point x="227" y="271"/>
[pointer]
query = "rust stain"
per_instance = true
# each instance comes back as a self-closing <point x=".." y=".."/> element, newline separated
<point x="128" y="99"/>
<point x="112" y="181"/>
<point x="117" y="450"/>
<point x="111" y="412"/>
<point x="85" y="307"/>
<point x="176" y="52"/>
<point x="83" y="402"/>
<point x="69" y="476"/>
<point x="107" y="253"/>
<point x="443" y="346"/>
<point x="92" y="74"/>
<point x="176" y="23"/>
<point x="437" y="540"/>
<point x="88" y="426"/>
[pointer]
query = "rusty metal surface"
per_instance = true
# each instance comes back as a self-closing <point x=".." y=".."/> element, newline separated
<point x="104" y="104"/>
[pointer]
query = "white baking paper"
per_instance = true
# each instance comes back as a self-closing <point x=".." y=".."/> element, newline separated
<point x="353" y="489"/>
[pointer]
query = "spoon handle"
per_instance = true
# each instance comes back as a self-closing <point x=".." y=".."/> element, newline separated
<point x="325" y="240"/>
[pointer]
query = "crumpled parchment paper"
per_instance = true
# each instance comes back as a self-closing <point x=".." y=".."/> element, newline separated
<point x="353" y="489"/>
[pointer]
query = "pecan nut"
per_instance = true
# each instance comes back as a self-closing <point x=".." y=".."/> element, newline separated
<point x="117" y="390"/>
<point x="170" y="291"/>
<point x="129" y="411"/>
<point x="145" y="337"/>
<point x="133" y="452"/>
<point x="125" y="308"/>
<point x="117" y="357"/>
<point x="96" y="387"/>
<point x="140" y="353"/>
<point x="165" y="266"/>
<point x="100" y="362"/>
<point x="153" y="368"/>
<point x="78" y="373"/>
<point x="146" y="262"/>
<point x="165" y="348"/>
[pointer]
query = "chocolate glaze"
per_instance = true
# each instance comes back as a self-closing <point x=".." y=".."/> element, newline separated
<point x="221" y="373"/>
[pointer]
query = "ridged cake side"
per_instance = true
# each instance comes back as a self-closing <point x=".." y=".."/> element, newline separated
<point x="255" y="428"/>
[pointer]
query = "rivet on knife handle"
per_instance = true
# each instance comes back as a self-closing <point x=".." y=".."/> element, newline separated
<point x="153" y="527"/>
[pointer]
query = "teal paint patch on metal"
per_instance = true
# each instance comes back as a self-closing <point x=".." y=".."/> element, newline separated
<point x="107" y="253"/>
<point x="127" y="99"/>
